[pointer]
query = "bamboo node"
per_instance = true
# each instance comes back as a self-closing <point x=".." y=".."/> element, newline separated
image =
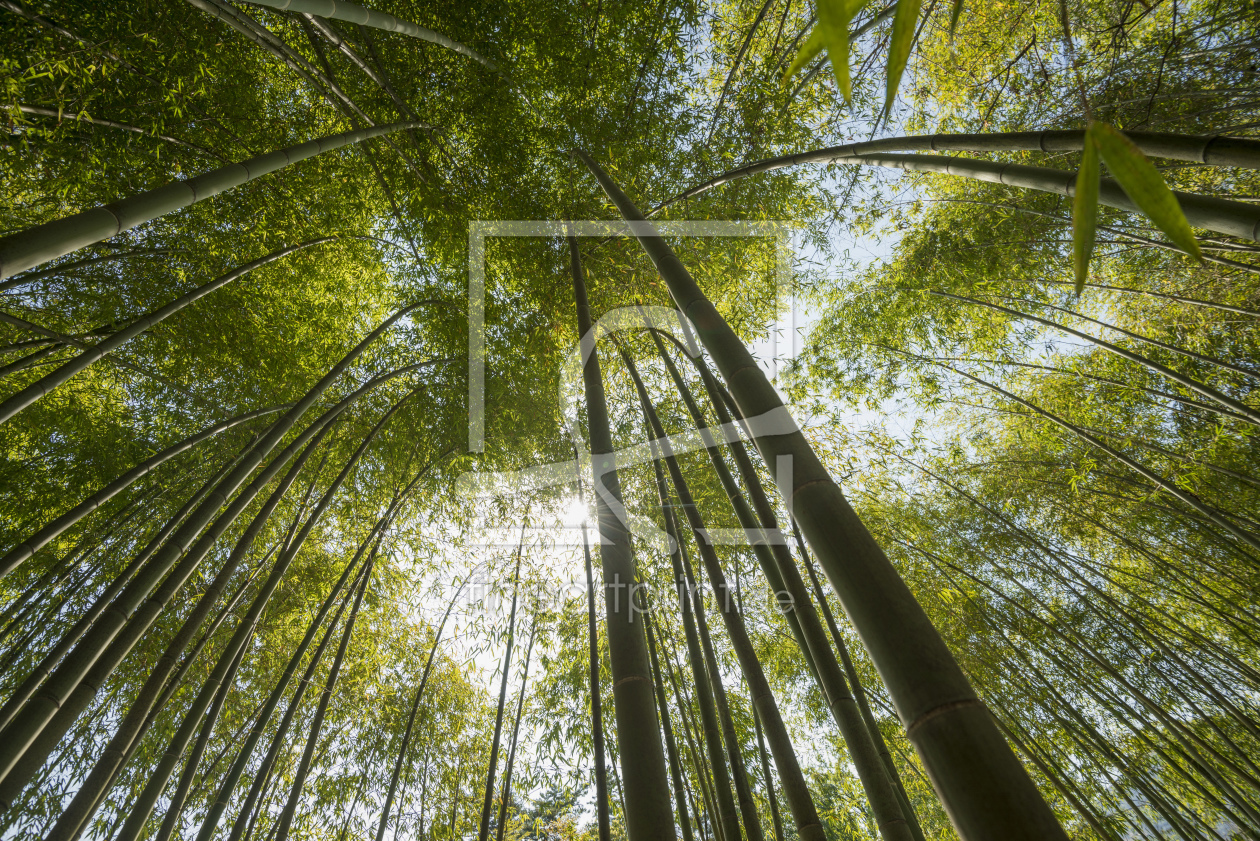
<point x="941" y="709"/>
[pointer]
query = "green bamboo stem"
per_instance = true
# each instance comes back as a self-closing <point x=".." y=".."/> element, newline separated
<point x="64" y="268"/>
<point x="1200" y="357"/>
<point x="505" y="798"/>
<point x="850" y="671"/>
<point x="340" y="10"/>
<point x="34" y="246"/>
<point x="216" y="808"/>
<point x="30" y="360"/>
<point x="487" y="804"/>
<point x="795" y="789"/>
<point x="84" y="117"/>
<point x="411" y="718"/>
<point x="32" y="681"/>
<point x="244" y="823"/>
<point x="734" y="750"/>
<point x="175" y="808"/>
<point x="24" y="550"/>
<point x="985" y="790"/>
<point x="726" y="821"/>
<point x="1210" y="149"/>
<point x="671" y="746"/>
<point x="107" y="634"/>
<point x="157" y="781"/>
<point x="889" y="808"/>
<point x="683" y="704"/>
<point x="1167" y="486"/>
<point x="649" y="816"/>
<point x="285" y="822"/>
<point x="15" y="403"/>
<point x="72" y="819"/>
<point x="602" y="823"/>
<point x="775" y="818"/>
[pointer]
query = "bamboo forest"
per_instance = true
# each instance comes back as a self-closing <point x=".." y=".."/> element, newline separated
<point x="630" y="420"/>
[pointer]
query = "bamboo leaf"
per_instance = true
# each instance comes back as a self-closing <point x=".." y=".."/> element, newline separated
<point x="954" y="14"/>
<point x="833" y="25"/>
<point x="1085" y="213"/>
<point x="813" y="46"/>
<point x="902" y="40"/>
<point x="1142" y="182"/>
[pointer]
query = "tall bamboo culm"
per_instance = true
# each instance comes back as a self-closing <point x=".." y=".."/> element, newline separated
<point x="649" y="815"/>
<point x="986" y="792"/>
<point x="602" y="823"/>
<point x="796" y="791"/>
<point x="35" y="246"/>
<point x="887" y="804"/>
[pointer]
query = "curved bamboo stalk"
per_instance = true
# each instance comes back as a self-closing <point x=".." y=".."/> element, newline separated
<point x="1200" y="357"/>
<point x="804" y="812"/>
<point x="258" y="791"/>
<point x="216" y="808"/>
<point x="1237" y="406"/>
<point x="45" y="384"/>
<point x="341" y="10"/>
<point x="157" y="782"/>
<point x="19" y="735"/>
<point x="32" y="681"/>
<point x="649" y="816"/>
<point x="179" y="797"/>
<point x="986" y="791"/>
<point x="483" y="830"/>
<point x="83" y="117"/>
<point x="34" y="246"/>
<point x="1168" y="487"/>
<point x="1210" y="149"/>
<point x="285" y="821"/>
<point x="784" y="577"/>
<point x="24" y="550"/>
<point x="63" y="268"/>
<point x="31" y="359"/>
<point x="72" y="819"/>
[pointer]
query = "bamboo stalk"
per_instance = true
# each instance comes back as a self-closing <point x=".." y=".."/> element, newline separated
<point x="411" y="718"/>
<point x="243" y="825"/>
<point x="35" y="246"/>
<point x="483" y="832"/>
<point x="888" y="807"/>
<point x="602" y="824"/>
<point x="24" y="550"/>
<point x="157" y="782"/>
<point x="341" y="10"/>
<point x="45" y="384"/>
<point x="1210" y="149"/>
<point x="30" y="723"/>
<point x="505" y="797"/>
<point x="726" y="821"/>
<point x="671" y="746"/>
<point x="795" y="789"/>
<point x="985" y="790"/>
<point x="649" y="816"/>
<point x="304" y="765"/>
<point x="145" y="705"/>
